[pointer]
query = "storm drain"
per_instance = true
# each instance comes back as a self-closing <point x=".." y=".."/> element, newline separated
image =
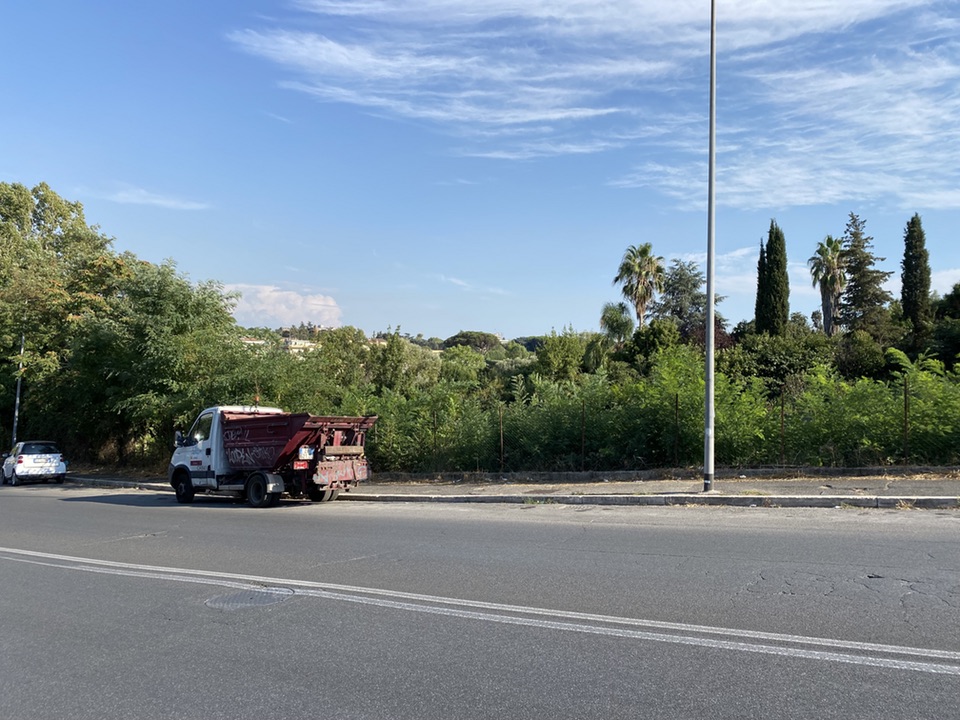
<point x="258" y="597"/>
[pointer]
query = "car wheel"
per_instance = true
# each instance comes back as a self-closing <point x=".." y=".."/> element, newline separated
<point x="59" y="479"/>
<point x="14" y="480"/>
<point x="184" y="488"/>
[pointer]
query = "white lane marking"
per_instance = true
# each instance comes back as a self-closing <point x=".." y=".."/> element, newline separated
<point x="437" y="605"/>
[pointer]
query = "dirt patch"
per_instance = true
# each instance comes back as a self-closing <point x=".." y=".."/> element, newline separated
<point x="117" y="472"/>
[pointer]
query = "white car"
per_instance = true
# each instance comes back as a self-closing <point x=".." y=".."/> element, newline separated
<point x="34" y="460"/>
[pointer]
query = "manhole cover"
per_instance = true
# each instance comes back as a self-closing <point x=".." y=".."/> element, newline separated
<point x="259" y="597"/>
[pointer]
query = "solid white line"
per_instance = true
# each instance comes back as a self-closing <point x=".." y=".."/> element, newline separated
<point x="436" y="605"/>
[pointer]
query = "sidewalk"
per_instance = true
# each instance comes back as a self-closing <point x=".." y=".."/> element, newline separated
<point x="926" y="490"/>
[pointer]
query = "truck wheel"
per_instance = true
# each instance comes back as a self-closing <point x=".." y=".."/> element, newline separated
<point x="318" y="494"/>
<point x="184" y="488"/>
<point x="257" y="494"/>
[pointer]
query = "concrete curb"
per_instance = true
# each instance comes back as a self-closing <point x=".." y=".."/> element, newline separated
<point x="768" y="501"/>
<point x="902" y="502"/>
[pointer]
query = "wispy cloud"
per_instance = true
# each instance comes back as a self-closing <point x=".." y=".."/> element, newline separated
<point x="271" y="306"/>
<point x="817" y="102"/>
<point x="472" y="287"/>
<point x="139" y="196"/>
<point x="279" y="118"/>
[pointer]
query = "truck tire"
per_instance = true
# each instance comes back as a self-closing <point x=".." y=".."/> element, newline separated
<point x="184" y="488"/>
<point x="319" y="494"/>
<point x="257" y="495"/>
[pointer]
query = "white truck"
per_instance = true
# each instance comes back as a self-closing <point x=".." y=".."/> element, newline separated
<point x="260" y="453"/>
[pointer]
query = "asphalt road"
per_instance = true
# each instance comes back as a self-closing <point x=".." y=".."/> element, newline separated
<point x="123" y="604"/>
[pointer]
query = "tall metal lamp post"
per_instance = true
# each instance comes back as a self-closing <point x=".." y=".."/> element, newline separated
<point x="16" y="403"/>
<point x="710" y="339"/>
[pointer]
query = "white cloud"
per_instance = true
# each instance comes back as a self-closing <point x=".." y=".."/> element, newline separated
<point x="943" y="280"/>
<point x="818" y="102"/>
<point x="139" y="196"/>
<point x="273" y="307"/>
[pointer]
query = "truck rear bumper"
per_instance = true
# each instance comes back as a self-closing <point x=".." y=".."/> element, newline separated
<point x="340" y="474"/>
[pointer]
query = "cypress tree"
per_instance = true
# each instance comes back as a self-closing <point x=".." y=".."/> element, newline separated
<point x="915" y="292"/>
<point x="759" y="309"/>
<point x="863" y="305"/>
<point x="773" y="286"/>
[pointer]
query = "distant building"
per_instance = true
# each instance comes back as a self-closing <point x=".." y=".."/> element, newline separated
<point x="295" y="345"/>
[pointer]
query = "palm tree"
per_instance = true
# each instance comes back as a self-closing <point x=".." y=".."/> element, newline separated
<point x="640" y="277"/>
<point x="616" y="323"/>
<point x="828" y="270"/>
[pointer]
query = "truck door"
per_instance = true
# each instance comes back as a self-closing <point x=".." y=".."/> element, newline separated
<point x="200" y="451"/>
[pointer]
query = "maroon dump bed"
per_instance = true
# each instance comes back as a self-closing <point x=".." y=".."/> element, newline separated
<point x="294" y="441"/>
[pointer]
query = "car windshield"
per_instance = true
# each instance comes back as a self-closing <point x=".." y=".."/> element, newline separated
<point x="39" y="448"/>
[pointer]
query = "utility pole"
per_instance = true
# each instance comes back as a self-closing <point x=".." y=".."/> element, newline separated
<point x="16" y="404"/>
<point x="711" y="211"/>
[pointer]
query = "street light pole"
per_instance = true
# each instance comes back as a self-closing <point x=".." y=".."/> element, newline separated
<point x="711" y="211"/>
<point x="16" y="404"/>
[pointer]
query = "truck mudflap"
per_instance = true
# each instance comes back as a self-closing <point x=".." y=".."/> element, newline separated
<point x="274" y="483"/>
<point x="340" y="474"/>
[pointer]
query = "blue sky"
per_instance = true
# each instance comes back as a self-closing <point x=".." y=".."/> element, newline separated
<point x="446" y="165"/>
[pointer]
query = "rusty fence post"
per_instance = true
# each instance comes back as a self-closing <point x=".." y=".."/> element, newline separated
<point x="583" y="436"/>
<point x="783" y="431"/>
<point x="906" y="420"/>
<point x="500" y="410"/>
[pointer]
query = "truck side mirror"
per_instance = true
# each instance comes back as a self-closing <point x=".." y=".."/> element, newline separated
<point x="178" y="439"/>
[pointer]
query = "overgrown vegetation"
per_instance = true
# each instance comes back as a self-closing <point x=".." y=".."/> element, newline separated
<point x="118" y="352"/>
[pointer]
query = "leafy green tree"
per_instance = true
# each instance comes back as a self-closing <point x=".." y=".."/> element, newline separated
<point x="640" y="277"/>
<point x="915" y="289"/>
<point x="647" y="342"/>
<point x="946" y="341"/>
<point x="827" y="269"/>
<point x="402" y="367"/>
<point x="164" y="348"/>
<point x="561" y="356"/>
<point x="479" y="341"/>
<point x="54" y="270"/>
<point x="462" y="363"/>
<point x="779" y="361"/>
<point x="344" y="353"/>
<point x="949" y="305"/>
<point x="683" y="300"/>
<point x="859" y="355"/>
<point x="863" y="304"/>
<point x="773" y="286"/>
